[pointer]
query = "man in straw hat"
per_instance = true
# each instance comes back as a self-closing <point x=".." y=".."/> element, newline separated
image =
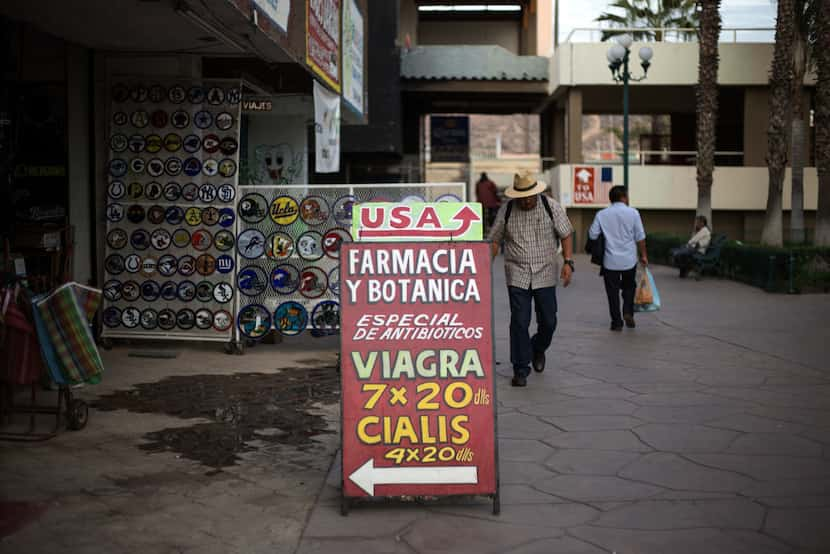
<point x="532" y="226"/>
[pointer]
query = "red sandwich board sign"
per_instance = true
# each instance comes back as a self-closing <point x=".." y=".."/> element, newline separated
<point x="417" y="370"/>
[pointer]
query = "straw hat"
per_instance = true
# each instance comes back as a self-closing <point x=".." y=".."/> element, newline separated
<point x="525" y="185"/>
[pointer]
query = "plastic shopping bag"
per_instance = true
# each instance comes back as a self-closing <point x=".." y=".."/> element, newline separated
<point x="647" y="298"/>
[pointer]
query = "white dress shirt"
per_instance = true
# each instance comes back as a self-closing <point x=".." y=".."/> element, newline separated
<point x="623" y="228"/>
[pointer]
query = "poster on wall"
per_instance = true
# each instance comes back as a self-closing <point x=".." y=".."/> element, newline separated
<point x="288" y="250"/>
<point x="353" y="40"/>
<point x="172" y="169"/>
<point x="323" y="40"/>
<point x="417" y="378"/>
<point x="449" y="138"/>
<point x="326" y="130"/>
<point x="276" y="10"/>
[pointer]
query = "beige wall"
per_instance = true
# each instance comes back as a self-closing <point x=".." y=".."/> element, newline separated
<point x="503" y="33"/>
<point x="675" y="187"/>
<point x="673" y="64"/>
<point x="573" y="127"/>
<point x="544" y="28"/>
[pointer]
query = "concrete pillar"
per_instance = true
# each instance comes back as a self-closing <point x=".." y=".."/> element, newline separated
<point x="756" y="121"/>
<point x="80" y="177"/>
<point x="573" y="127"/>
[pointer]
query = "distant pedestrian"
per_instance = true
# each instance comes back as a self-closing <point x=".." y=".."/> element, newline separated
<point x="488" y="195"/>
<point x="532" y="226"/>
<point x="624" y="235"/>
<point x="683" y="257"/>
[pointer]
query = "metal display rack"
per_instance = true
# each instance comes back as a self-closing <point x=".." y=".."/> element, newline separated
<point x="173" y="173"/>
<point x="291" y="282"/>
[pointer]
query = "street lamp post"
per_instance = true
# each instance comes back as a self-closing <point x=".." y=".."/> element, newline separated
<point x="618" y="57"/>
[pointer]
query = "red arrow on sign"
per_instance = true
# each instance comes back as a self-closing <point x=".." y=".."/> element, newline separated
<point x="466" y="216"/>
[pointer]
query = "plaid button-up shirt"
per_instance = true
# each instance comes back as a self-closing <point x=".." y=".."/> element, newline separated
<point x="531" y="240"/>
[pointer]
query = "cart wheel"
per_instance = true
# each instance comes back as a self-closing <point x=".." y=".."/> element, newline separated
<point x="230" y="348"/>
<point x="78" y="413"/>
<point x="344" y="506"/>
<point x="105" y="343"/>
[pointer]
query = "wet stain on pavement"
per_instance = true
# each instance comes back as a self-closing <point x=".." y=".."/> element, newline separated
<point x="245" y="410"/>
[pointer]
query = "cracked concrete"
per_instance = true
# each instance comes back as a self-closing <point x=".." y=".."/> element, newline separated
<point x="707" y="429"/>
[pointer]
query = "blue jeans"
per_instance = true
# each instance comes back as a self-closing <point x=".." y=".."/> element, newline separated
<point x="522" y="346"/>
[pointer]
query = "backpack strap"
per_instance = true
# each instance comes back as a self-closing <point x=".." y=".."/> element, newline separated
<point x="507" y="212"/>
<point x="546" y="204"/>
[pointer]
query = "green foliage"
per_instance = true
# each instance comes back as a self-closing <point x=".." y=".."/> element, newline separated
<point x="774" y="269"/>
<point x="671" y="14"/>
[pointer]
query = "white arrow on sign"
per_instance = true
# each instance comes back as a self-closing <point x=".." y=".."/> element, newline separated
<point x="584" y="175"/>
<point x="367" y="476"/>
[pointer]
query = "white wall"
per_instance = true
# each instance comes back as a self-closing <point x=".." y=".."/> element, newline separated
<point x="503" y="33"/>
<point x="281" y="133"/>
<point x="576" y="64"/>
<point x="675" y="187"/>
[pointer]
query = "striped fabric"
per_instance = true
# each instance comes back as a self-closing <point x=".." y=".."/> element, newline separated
<point x="69" y="347"/>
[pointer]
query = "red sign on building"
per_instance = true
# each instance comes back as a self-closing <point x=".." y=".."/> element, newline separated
<point x="584" y="185"/>
<point x="323" y="40"/>
<point x="418" y="390"/>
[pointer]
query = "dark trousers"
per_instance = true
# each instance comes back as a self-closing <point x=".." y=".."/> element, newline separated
<point x="616" y="281"/>
<point x="683" y="258"/>
<point x="522" y="346"/>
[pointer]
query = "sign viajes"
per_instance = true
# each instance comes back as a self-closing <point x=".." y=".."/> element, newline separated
<point x="417" y="370"/>
<point x="439" y="221"/>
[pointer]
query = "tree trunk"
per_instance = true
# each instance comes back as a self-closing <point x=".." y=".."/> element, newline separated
<point x="780" y="120"/>
<point x="822" y="123"/>
<point x="707" y="103"/>
<point x="798" y="234"/>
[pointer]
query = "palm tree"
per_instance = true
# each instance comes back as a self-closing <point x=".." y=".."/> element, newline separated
<point x="707" y="102"/>
<point x="780" y="120"/>
<point x="822" y="122"/>
<point x="657" y="14"/>
<point x="804" y="35"/>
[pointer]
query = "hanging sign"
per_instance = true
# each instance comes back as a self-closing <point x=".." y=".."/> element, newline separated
<point x="326" y="129"/>
<point x="439" y="221"/>
<point x="353" y="56"/>
<point x="417" y="370"/>
<point x="323" y="40"/>
<point x="276" y="10"/>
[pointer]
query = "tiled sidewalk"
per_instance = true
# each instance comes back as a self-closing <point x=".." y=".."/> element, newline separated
<point x="706" y="429"/>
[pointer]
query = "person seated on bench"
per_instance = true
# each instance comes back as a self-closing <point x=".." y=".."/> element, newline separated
<point x="683" y="257"/>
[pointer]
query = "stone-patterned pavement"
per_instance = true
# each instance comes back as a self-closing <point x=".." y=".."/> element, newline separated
<point x="706" y="429"/>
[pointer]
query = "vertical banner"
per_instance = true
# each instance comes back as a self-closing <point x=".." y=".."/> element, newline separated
<point x="326" y="129"/>
<point x="353" y="56"/>
<point x="417" y="370"/>
<point x="322" y="32"/>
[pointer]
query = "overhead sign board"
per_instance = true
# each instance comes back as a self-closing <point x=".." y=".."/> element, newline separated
<point x="323" y="40"/>
<point x="437" y="221"/>
<point x="276" y="10"/>
<point x="417" y="370"/>
<point x="353" y="40"/>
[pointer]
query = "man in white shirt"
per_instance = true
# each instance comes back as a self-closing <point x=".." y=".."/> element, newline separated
<point x="622" y="228"/>
<point x="682" y="257"/>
